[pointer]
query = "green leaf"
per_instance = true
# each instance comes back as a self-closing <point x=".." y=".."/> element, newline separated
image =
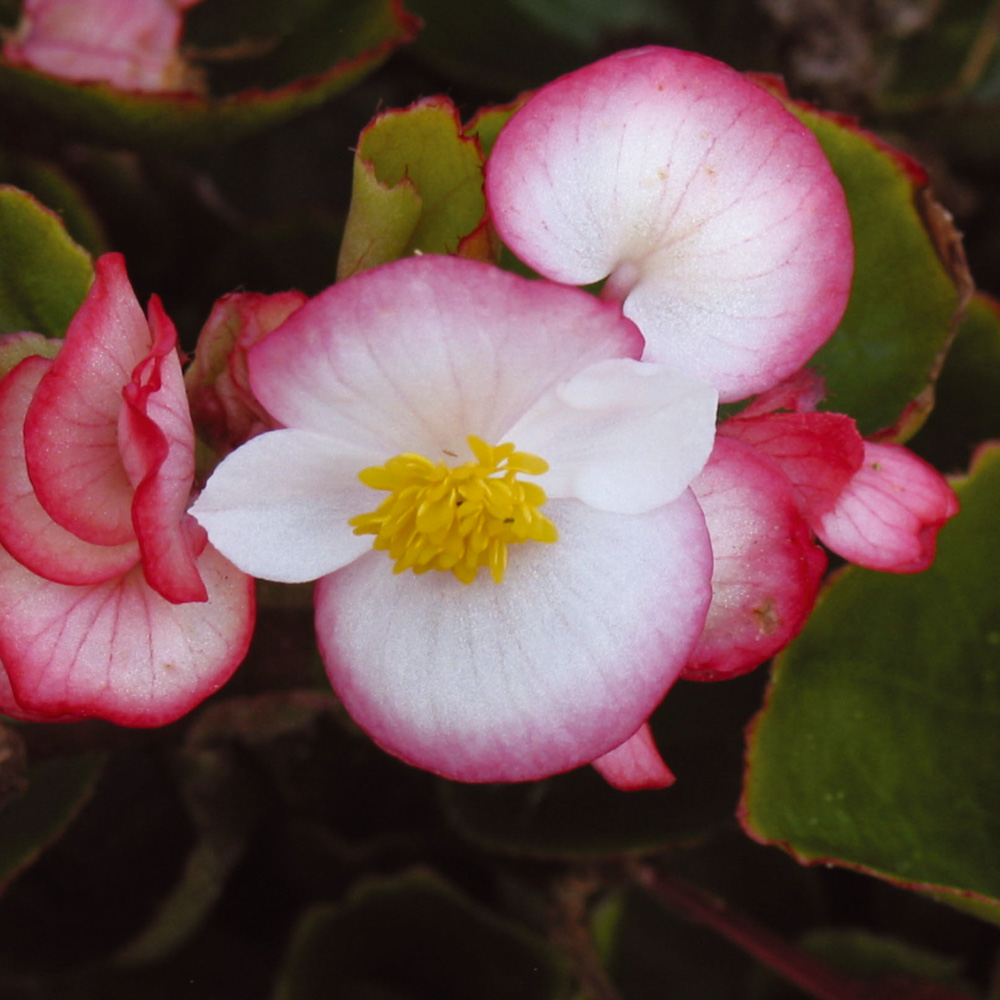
<point x="904" y="300"/>
<point x="967" y="394"/>
<point x="57" y="791"/>
<point x="418" y="187"/>
<point x="698" y="729"/>
<point x="322" y="57"/>
<point x="413" y="937"/>
<point x="879" y="746"/>
<point x="44" y="275"/>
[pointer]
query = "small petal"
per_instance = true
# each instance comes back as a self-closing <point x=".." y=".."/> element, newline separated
<point x="635" y="765"/>
<point x="418" y="354"/>
<point x="278" y="506"/>
<point x="767" y="568"/>
<point x="26" y="530"/>
<point x="711" y="210"/>
<point x="117" y="650"/>
<point x="622" y="435"/>
<point x="890" y="513"/>
<point x="553" y="668"/>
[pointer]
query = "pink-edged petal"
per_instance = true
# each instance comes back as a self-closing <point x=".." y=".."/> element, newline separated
<point x="420" y="353"/>
<point x="553" y="668"/>
<point x="278" y="506"/>
<point x="117" y="650"/>
<point x="801" y="393"/>
<point x="26" y="530"/>
<point x="71" y="430"/>
<point x="156" y="440"/>
<point x="818" y="452"/>
<point x="635" y="765"/>
<point x="711" y="209"/>
<point x="767" y="568"/>
<point x="890" y="513"/>
<point x="622" y="435"/>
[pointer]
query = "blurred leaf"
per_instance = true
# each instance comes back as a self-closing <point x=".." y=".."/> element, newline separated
<point x="511" y="45"/>
<point x="868" y="956"/>
<point x="344" y="42"/>
<point x="418" y="187"/>
<point x="879" y="746"/>
<point x="698" y="729"/>
<point x="55" y="190"/>
<point x="57" y="791"/>
<point x="415" y="937"/>
<point x="44" y="275"/>
<point x="904" y="299"/>
<point x="224" y="803"/>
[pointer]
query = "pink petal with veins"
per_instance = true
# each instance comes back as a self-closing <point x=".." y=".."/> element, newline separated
<point x="26" y="530"/>
<point x="818" y="452"/>
<point x="767" y="568"/>
<point x="890" y="513"/>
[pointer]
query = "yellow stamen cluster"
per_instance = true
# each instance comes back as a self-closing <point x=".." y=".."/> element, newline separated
<point x="460" y="519"/>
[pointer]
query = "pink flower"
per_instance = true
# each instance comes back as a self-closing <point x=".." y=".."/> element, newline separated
<point x="432" y="407"/>
<point x="111" y="603"/>
<point x="131" y="44"/>
<point x="710" y="210"/>
<point x="780" y="474"/>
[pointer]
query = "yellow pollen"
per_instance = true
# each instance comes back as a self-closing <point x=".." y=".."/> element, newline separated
<point x="456" y="519"/>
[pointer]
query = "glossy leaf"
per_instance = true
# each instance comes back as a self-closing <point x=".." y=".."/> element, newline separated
<point x="698" y="730"/>
<point x="44" y="275"/>
<point x="904" y="299"/>
<point x="57" y="791"/>
<point x="880" y="741"/>
<point x="418" y="187"/>
<point x="261" y="86"/>
<point x="413" y="937"/>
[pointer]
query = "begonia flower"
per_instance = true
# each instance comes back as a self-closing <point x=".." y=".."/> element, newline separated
<point x="223" y="406"/>
<point x="782" y="473"/>
<point x="492" y="491"/>
<point x="111" y="602"/>
<point x="131" y="44"/>
<point x="710" y="210"/>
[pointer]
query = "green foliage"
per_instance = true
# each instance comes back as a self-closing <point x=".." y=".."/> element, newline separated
<point x="880" y="741"/>
<point x="44" y="275"/>
<point x="414" y="937"/>
<point x="57" y="790"/>
<point x="904" y="301"/>
<point x="418" y="187"/>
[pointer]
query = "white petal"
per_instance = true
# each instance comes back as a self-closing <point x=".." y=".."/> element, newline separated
<point x="623" y="436"/>
<point x="550" y="669"/>
<point x="278" y="506"/>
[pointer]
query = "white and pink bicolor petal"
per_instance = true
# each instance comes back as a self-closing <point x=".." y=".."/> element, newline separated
<point x="554" y="668"/>
<point x="710" y="210"/>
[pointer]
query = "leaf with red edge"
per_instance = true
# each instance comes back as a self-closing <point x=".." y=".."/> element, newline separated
<point x="253" y="86"/>
<point x="44" y="275"/>
<point x="910" y="279"/>
<point x="879" y="746"/>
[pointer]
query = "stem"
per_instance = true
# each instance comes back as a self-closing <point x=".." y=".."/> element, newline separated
<point x="816" y="978"/>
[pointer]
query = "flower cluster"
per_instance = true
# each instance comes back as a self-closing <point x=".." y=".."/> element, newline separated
<point x="523" y="519"/>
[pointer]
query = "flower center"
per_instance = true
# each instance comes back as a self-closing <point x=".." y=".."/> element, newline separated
<point x="460" y="519"/>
